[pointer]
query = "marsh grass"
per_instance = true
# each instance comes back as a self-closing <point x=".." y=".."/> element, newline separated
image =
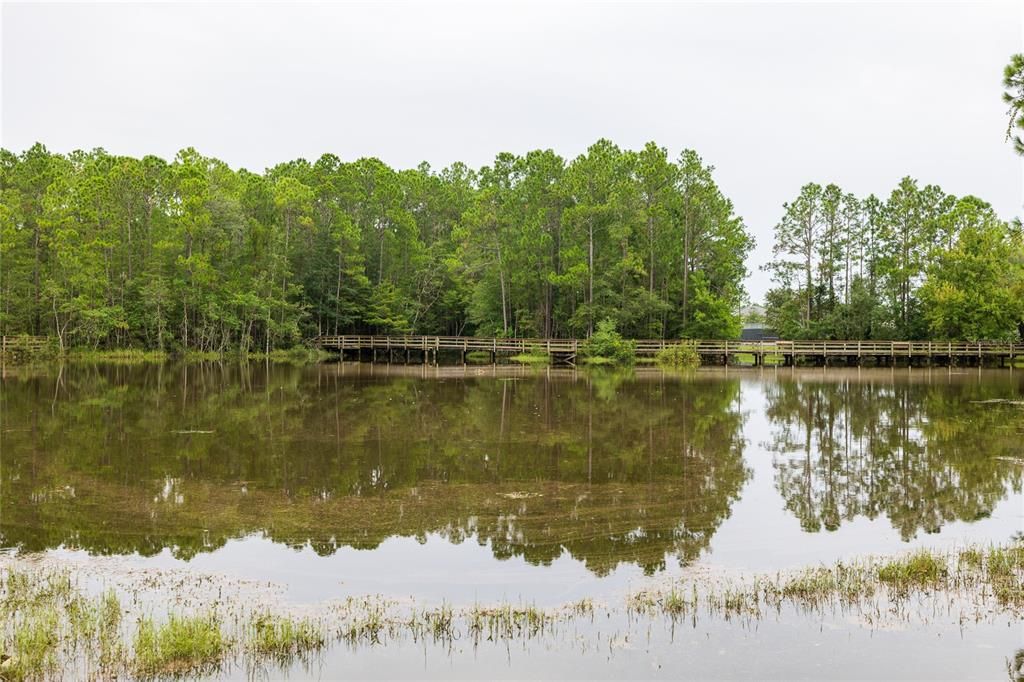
<point x="30" y="621"/>
<point x="281" y="637"/>
<point x="125" y="356"/>
<point x="534" y="357"/>
<point x="440" y="622"/>
<point x="48" y="628"/>
<point x="507" y="622"/>
<point x="183" y="645"/>
<point x="972" y="575"/>
<point x="598" y="361"/>
<point x="1002" y="569"/>
<point x="367" y="622"/>
<point x="35" y="640"/>
<point x="918" y="570"/>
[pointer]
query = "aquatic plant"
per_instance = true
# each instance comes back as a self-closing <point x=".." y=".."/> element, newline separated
<point x="181" y="645"/>
<point x="920" y="569"/>
<point x="282" y="637"/>
<point x="48" y="627"/>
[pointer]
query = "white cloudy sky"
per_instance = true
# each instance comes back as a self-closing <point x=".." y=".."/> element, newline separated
<point x="774" y="95"/>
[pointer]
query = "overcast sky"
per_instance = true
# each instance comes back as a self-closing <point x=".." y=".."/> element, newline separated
<point x="773" y="95"/>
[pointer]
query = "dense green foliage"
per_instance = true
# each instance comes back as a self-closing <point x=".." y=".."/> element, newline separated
<point x="922" y="264"/>
<point x="679" y="356"/>
<point x="110" y="251"/>
<point x="606" y="345"/>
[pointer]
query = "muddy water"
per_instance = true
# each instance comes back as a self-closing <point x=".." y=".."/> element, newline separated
<point x="468" y="485"/>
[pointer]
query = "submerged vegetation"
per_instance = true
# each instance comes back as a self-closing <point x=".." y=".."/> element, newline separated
<point x="50" y="627"/>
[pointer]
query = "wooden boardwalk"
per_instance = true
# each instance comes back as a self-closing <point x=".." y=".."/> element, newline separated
<point x="722" y="352"/>
<point x="22" y="346"/>
<point x="712" y="352"/>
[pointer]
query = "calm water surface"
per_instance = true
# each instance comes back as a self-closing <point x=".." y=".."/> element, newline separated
<point x="468" y="484"/>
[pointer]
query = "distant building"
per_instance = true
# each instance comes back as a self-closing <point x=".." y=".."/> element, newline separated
<point x="754" y="327"/>
<point x="757" y="331"/>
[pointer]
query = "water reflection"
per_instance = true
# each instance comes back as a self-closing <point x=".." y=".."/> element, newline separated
<point x="603" y="466"/>
<point x="921" y="453"/>
<point x="610" y="468"/>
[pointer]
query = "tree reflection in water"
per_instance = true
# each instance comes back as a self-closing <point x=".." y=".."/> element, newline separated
<point x="921" y="453"/>
<point x="641" y="468"/>
<point x="607" y="467"/>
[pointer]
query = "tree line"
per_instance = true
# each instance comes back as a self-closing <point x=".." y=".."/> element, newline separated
<point x="919" y="264"/>
<point x="922" y="264"/>
<point x="110" y="251"/>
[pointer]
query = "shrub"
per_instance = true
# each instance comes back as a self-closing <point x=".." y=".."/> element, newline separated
<point x="606" y="344"/>
<point x="682" y="356"/>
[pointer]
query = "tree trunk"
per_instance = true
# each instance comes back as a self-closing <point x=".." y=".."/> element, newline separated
<point x="590" y="268"/>
<point x="504" y="304"/>
<point x="686" y="270"/>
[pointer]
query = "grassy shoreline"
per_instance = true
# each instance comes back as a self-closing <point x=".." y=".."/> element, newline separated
<point x="298" y="354"/>
<point x="50" y="626"/>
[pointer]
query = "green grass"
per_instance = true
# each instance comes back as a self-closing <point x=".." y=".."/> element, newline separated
<point x="920" y="569"/>
<point x="507" y="621"/>
<point x="981" y="576"/>
<point x="748" y="358"/>
<point x="281" y="637"/>
<point x="598" y="361"/>
<point x="298" y="354"/>
<point x="1003" y="568"/>
<point x="531" y="359"/>
<point x="48" y="629"/>
<point x="479" y="357"/>
<point x="816" y="586"/>
<point x="35" y="640"/>
<point x="119" y="355"/>
<point x="183" y="645"/>
<point x="676" y="604"/>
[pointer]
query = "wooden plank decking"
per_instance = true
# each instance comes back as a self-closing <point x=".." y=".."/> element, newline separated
<point x="711" y="351"/>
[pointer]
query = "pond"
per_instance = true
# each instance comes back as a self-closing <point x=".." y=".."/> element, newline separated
<point x="464" y="485"/>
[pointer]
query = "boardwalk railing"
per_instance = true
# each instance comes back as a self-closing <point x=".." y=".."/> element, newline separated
<point x="706" y="348"/>
<point x="23" y="345"/>
<point x="466" y="344"/>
